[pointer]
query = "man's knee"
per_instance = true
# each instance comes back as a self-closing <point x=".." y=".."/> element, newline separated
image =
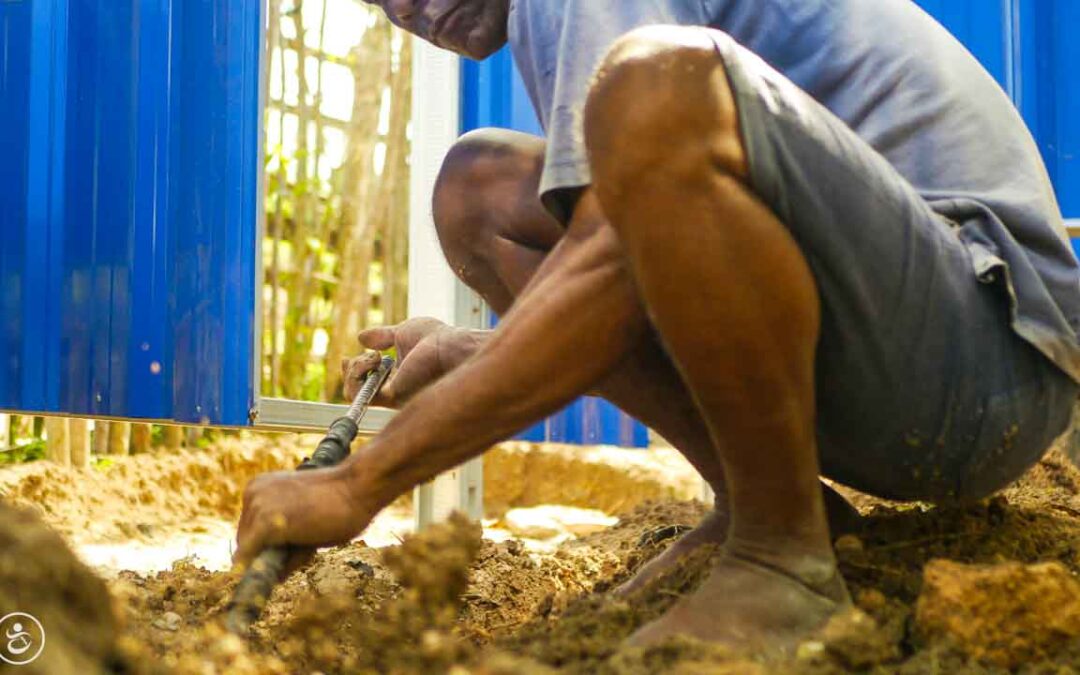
<point x="482" y="169"/>
<point x="661" y="101"/>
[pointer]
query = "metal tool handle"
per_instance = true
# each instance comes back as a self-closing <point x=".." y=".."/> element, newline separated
<point x="268" y="568"/>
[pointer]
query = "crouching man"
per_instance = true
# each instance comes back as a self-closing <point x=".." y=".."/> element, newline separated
<point x="799" y="239"/>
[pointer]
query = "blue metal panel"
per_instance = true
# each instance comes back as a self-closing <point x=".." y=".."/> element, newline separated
<point x="14" y="134"/>
<point x="1046" y="88"/>
<point x="1031" y="48"/>
<point x="493" y="95"/>
<point x="982" y="26"/>
<point x="127" y="227"/>
<point x="1027" y="45"/>
<point x="215" y="207"/>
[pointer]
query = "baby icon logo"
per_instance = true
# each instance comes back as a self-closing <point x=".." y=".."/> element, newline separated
<point x="21" y="638"/>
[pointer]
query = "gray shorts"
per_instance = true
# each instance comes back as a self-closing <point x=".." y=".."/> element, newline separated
<point x="924" y="390"/>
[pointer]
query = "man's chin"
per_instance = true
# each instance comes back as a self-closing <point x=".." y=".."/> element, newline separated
<point x="477" y="50"/>
<point x="480" y="55"/>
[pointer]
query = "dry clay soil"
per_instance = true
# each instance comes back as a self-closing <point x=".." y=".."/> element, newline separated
<point x="987" y="588"/>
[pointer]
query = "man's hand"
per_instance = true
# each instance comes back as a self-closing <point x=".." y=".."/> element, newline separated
<point x="427" y="349"/>
<point x="305" y="509"/>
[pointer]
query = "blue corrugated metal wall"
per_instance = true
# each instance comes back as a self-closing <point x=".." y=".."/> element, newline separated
<point x="128" y="206"/>
<point x="493" y="95"/>
<point x="1030" y="46"/>
<point x="128" y="192"/>
<point x="1025" y="44"/>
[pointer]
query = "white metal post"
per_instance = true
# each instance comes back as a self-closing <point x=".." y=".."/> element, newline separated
<point x="433" y="289"/>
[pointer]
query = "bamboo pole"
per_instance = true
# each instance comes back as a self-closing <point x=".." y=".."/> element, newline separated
<point x="298" y="305"/>
<point x="5" y="431"/>
<point x="393" y="196"/>
<point x="275" y="224"/>
<point x="356" y="232"/>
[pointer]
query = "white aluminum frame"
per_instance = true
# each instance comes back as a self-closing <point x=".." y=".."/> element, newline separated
<point x="433" y="289"/>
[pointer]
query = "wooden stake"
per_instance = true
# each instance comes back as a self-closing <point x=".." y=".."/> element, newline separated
<point x="119" y="438"/>
<point x="22" y="428"/>
<point x="101" y="438"/>
<point x="174" y="438"/>
<point x="140" y="438"/>
<point x="79" y="441"/>
<point x="57" y="448"/>
<point x="5" y="431"/>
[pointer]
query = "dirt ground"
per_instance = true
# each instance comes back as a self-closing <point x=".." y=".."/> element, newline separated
<point x="984" y="589"/>
<point x="184" y="504"/>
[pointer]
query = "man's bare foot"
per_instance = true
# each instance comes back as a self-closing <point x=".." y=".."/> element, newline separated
<point x="843" y="519"/>
<point x="711" y="530"/>
<point x="751" y="605"/>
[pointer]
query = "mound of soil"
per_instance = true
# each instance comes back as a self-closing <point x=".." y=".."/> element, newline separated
<point x="145" y="497"/>
<point x="984" y="588"/>
<point x="129" y="497"/>
<point x="613" y="480"/>
<point x="442" y="598"/>
<point x="41" y="577"/>
<point x="1006" y="615"/>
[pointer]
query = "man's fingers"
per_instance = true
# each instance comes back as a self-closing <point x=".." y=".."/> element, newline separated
<point x="377" y="338"/>
<point x="247" y="511"/>
<point x="407" y="381"/>
<point x="385" y="396"/>
<point x="356" y="370"/>
<point x="249" y="542"/>
<point x="259" y="534"/>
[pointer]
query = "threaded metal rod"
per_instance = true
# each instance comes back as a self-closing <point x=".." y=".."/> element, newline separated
<point x="268" y="568"/>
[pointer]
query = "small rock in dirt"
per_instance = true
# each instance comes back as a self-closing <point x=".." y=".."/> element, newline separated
<point x="362" y="567"/>
<point x="331" y="581"/>
<point x="228" y="646"/>
<point x="871" y="600"/>
<point x="169" y="621"/>
<point x="850" y="549"/>
<point x="855" y="640"/>
<point x="849" y="543"/>
<point x="810" y="650"/>
<point x="1005" y="615"/>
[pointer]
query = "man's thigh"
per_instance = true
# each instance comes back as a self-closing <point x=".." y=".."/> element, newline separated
<point x="924" y="391"/>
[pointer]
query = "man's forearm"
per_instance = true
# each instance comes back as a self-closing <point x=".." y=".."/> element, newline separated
<point x="569" y="328"/>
